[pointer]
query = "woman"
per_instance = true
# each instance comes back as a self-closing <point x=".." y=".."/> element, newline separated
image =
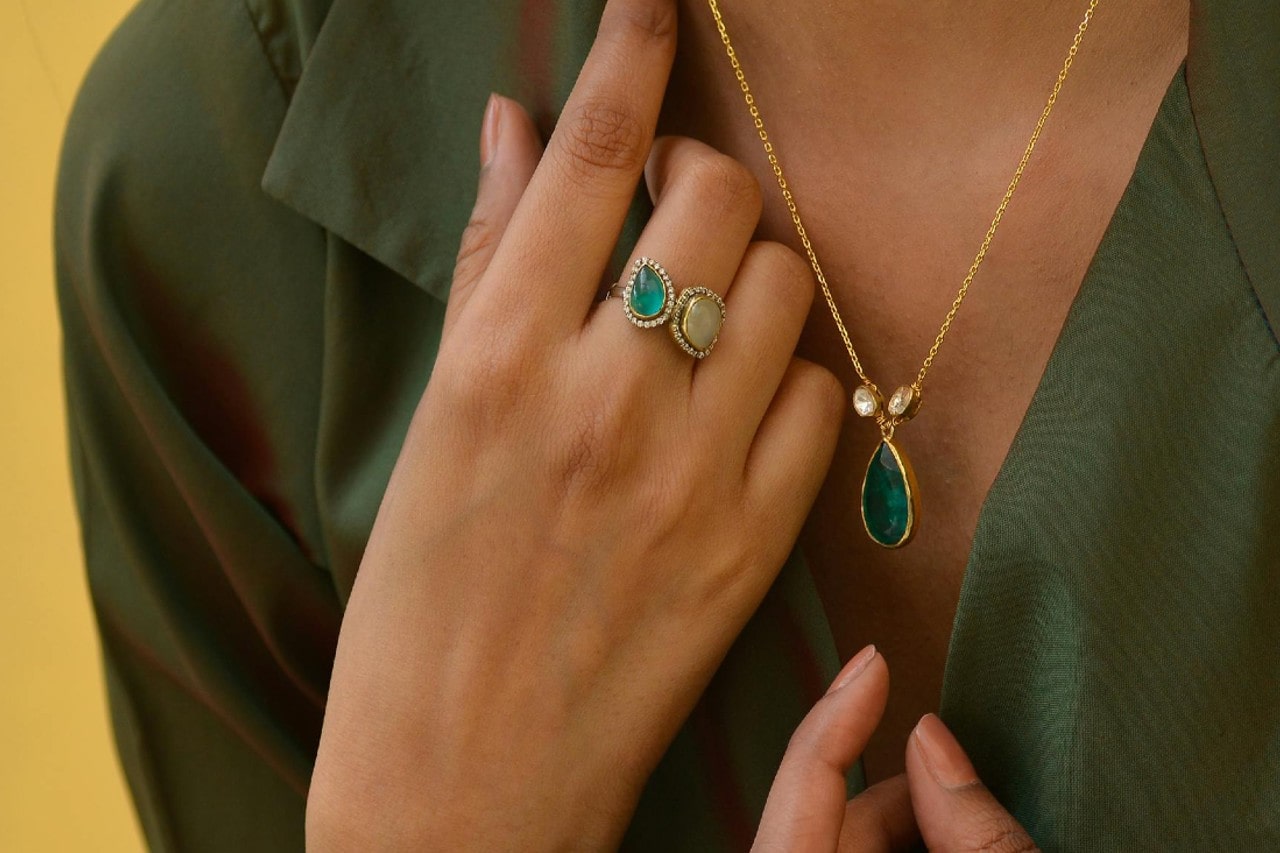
<point x="569" y="626"/>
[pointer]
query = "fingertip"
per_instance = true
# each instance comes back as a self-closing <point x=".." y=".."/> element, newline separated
<point x="953" y="808"/>
<point x="854" y="668"/>
<point x="647" y="20"/>
<point x="489" y="129"/>
<point x="509" y="153"/>
<point x="508" y="134"/>
<point x="941" y="753"/>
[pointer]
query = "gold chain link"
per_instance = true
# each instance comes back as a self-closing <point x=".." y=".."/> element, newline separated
<point x="887" y="424"/>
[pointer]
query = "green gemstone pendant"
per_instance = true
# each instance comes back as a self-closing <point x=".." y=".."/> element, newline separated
<point x="889" y="507"/>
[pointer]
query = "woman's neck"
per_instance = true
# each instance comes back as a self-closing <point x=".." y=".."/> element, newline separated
<point x="959" y="75"/>
<point x="884" y="54"/>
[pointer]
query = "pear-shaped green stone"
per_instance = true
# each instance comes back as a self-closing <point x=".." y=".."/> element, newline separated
<point x="648" y="293"/>
<point x="886" y="499"/>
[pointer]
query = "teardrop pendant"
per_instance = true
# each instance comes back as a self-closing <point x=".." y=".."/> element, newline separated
<point x="889" y="497"/>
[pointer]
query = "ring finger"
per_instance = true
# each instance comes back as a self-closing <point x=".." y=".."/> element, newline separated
<point x="706" y="207"/>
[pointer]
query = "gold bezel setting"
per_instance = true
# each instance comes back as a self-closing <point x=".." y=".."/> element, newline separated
<point x="901" y="411"/>
<point x="678" y="330"/>
<point x="668" y="299"/>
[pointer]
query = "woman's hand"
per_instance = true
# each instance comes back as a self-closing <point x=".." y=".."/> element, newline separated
<point x="939" y="798"/>
<point x="582" y="517"/>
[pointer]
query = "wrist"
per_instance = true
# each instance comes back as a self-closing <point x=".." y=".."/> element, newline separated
<point x="488" y="808"/>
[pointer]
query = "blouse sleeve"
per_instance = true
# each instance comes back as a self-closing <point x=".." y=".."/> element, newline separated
<point x="188" y="366"/>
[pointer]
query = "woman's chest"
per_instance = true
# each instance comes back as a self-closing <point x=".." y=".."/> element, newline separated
<point x="897" y="209"/>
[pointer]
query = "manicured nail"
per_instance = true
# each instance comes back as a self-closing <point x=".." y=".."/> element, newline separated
<point x="489" y="131"/>
<point x="853" y="668"/>
<point x="943" y="754"/>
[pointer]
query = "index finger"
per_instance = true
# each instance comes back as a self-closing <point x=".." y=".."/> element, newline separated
<point x="569" y="218"/>
<point x="805" y="808"/>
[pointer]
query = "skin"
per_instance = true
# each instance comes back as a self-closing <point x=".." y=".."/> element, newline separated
<point x="582" y="517"/>
<point x="917" y="113"/>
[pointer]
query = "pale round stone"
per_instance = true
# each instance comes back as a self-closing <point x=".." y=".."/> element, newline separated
<point x="865" y="401"/>
<point x="702" y="320"/>
<point x="901" y="400"/>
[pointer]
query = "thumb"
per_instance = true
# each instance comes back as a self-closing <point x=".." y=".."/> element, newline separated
<point x="509" y="152"/>
<point x="954" y="810"/>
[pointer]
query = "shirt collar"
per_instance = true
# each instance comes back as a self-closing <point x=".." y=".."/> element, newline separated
<point x="386" y="114"/>
<point x="1233" y="78"/>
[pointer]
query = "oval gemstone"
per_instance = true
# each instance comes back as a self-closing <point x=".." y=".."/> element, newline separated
<point x="648" y="293"/>
<point x="886" y="498"/>
<point x="702" y="320"/>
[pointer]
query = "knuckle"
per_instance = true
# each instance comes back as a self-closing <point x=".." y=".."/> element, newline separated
<point x="643" y="19"/>
<point x="490" y="381"/>
<point x="822" y="387"/>
<point x="740" y="561"/>
<point x="490" y="377"/>
<point x="723" y="584"/>
<point x="602" y="135"/>
<point x="726" y="181"/>
<point x="791" y="275"/>
<point x="999" y="834"/>
<point x="478" y="241"/>
<point x="590" y="449"/>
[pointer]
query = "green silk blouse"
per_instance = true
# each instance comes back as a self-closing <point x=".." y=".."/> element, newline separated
<point x="258" y="207"/>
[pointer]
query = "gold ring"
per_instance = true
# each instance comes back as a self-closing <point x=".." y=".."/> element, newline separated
<point x="697" y="319"/>
<point x="649" y="296"/>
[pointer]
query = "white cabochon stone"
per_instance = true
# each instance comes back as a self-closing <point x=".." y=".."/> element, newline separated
<point x="702" y="321"/>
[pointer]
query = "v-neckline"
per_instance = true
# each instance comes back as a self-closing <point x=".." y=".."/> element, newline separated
<point x="1009" y="465"/>
<point x="1089" y="283"/>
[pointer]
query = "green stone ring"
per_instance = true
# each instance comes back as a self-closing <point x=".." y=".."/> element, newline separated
<point x="649" y="297"/>
<point x="696" y="320"/>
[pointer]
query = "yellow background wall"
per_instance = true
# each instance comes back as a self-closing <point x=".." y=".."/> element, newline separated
<point x="60" y="784"/>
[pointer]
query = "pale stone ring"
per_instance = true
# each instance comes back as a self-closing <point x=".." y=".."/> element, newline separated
<point x="694" y="317"/>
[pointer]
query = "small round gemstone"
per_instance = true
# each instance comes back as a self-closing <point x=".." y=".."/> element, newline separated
<point x="866" y="402"/>
<point x="901" y="401"/>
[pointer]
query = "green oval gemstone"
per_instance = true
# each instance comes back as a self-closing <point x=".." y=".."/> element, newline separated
<point x="648" y="293"/>
<point x="886" y="498"/>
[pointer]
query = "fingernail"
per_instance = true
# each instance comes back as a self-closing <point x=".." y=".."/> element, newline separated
<point x="489" y="131"/>
<point x="853" y="668"/>
<point x="943" y="754"/>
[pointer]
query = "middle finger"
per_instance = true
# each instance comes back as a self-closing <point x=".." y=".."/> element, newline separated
<point x="569" y="218"/>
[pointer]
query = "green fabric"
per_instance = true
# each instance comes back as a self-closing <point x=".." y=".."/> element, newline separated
<point x="257" y="211"/>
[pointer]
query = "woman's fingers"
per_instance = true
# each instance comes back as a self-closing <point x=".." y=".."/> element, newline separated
<point x="763" y="319"/>
<point x="794" y="443"/>
<point x="509" y="153"/>
<point x="806" y="805"/>
<point x="879" y="820"/>
<point x="706" y="209"/>
<point x="955" y="811"/>
<point x="706" y="206"/>
<point x="568" y="221"/>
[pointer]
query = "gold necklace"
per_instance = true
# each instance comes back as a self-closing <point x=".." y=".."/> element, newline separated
<point x="890" y="495"/>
